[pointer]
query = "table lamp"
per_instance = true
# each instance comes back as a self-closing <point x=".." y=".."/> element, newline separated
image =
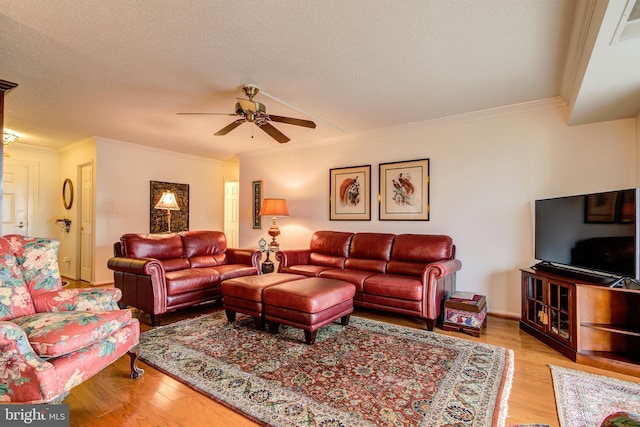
<point x="274" y="208"/>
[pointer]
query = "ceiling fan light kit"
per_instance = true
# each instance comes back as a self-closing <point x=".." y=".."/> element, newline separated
<point x="256" y="112"/>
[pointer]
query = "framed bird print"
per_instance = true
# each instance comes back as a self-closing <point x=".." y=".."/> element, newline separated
<point x="404" y="191"/>
<point x="350" y="193"/>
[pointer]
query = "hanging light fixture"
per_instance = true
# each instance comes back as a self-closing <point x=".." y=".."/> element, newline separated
<point x="9" y="137"/>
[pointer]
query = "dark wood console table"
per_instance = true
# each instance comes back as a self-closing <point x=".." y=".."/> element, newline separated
<point x="589" y="323"/>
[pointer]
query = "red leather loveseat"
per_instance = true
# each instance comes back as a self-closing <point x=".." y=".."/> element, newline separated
<point x="158" y="273"/>
<point x="406" y="273"/>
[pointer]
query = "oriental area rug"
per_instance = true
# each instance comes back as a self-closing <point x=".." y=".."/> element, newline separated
<point x="368" y="373"/>
<point x="586" y="399"/>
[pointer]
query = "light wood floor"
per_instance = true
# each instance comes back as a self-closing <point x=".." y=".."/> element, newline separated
<point x="111" y="398"/>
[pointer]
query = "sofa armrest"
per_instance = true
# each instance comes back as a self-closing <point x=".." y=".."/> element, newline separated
<point x="436" y="278"/>
<point x="100" y="299"/>
<point x="290" y="257"/>
<point x="244" y="256"/>
<point x="26" y="377"/>
<point x="442" y="268"/>
<point x="142" y="282"/>
<point x="143" y="266"/>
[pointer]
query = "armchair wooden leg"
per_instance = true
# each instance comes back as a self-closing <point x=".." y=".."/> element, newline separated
<point x="344" y="320"/>
<point x="430" y="324"/>
<point x="156" y="319"/>
<point x="134" y="353"/>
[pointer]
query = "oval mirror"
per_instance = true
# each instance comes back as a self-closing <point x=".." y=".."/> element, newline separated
<point x="67" y="194"/>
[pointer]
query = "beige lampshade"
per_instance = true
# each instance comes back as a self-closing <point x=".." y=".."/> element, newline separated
<point x="274" y="207"/>
<point x="168" y="201"/>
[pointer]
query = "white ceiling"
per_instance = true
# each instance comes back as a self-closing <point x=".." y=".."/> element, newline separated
<point x="122" y="69"/>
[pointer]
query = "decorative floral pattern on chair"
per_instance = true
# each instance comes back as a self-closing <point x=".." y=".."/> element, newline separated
<point x="38" y="260"/>
<point x="15" y="299"/>
<point x="100" y="299"/>
<point x="53" y="339"/>
<point x="56" y="334"/>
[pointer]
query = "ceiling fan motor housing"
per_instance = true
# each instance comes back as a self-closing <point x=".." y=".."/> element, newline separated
<point x="255" y="112"/>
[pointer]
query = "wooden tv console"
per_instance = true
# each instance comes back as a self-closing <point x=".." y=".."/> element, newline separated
<point x="589" y="323"/>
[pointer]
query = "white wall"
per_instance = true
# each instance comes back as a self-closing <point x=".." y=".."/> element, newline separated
<point x="122" y="175"/>
<point x="81" y="152"/>
<point x="486" y="170"/>
<point x="48" y="197"/>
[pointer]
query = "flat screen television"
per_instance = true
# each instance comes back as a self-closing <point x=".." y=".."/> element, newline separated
<point x="591" y="235"/>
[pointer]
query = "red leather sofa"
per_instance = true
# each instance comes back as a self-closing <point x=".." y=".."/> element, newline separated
<point x="158" y="273"/>
<point x="406" y="273"/>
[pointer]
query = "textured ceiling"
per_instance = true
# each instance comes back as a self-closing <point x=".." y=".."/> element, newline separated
<point x="123" y="69"/>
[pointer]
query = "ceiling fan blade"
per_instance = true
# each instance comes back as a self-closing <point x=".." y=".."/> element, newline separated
<point x="292" y="121"/>
<point x="273" y="132"/>
<point x="231" y="126"/>
<point x="206" y="114"/>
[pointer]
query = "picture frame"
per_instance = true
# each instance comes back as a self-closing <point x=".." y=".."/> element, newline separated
<point x="404" y="191"/>
<point x="158" y="217"/>
<point x="601" y="208"/>
<point x="256" y="192"/>
<point x="350" y="193"/>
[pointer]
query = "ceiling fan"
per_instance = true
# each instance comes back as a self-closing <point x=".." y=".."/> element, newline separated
<point x="255" y="112"/>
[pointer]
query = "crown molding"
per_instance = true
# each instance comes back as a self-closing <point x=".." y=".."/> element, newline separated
<point x="543" y="104"/>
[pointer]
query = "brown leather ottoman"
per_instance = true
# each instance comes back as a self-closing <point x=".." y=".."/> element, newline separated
<point x="244" y="294"/>
<point x="309" y="304"/>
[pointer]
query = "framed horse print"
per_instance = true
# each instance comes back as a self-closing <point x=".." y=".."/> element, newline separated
<point x="404" y="191"/>
<point x="350" y="193"/>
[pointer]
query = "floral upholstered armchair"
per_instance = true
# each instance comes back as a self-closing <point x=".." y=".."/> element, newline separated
<point x="52" y="339"/>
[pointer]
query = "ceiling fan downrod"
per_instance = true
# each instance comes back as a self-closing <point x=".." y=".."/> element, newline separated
<point x="250" y="91"/>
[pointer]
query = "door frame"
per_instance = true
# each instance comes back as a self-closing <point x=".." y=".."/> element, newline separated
<point x="33" y="171"/>
<point x="78" y="223"/>
<point x="236" y="182"/>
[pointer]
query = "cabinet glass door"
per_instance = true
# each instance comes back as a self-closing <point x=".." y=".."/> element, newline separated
<point x="559" y="311"/>
<point x="536" y="313"/>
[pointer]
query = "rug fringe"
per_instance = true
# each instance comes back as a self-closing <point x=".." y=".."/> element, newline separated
<point x="503" y="397"/>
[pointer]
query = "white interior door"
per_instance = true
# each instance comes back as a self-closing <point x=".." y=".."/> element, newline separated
<point x="86" y="223"/>
<point x="231" y="213"/>
<point x="15" y="200"/>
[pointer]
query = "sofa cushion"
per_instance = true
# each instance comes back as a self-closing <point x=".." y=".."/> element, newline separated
<point x="204" y="248"/>
<point x="423" y="248"/>
<point x="326" y="260"/>
<point x="15" y="299"/>
<point x="406" y="268"/>
<point x="231" y="271"/>
<point x="38" y="260"/>
<point x="191" y="279"/>
<point x="158" y="246"/>
<point x="372" y="265"/>
<point x="331" y="243"/>
<point x="59" y="333"/>
<point x="371" y="246"/>
<point x="308" y="270"/>
<point x="357" y="277"/>
<point x="369" y="252"/>
<point x="394" y="285"/>
<point x="174" y="264"/>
